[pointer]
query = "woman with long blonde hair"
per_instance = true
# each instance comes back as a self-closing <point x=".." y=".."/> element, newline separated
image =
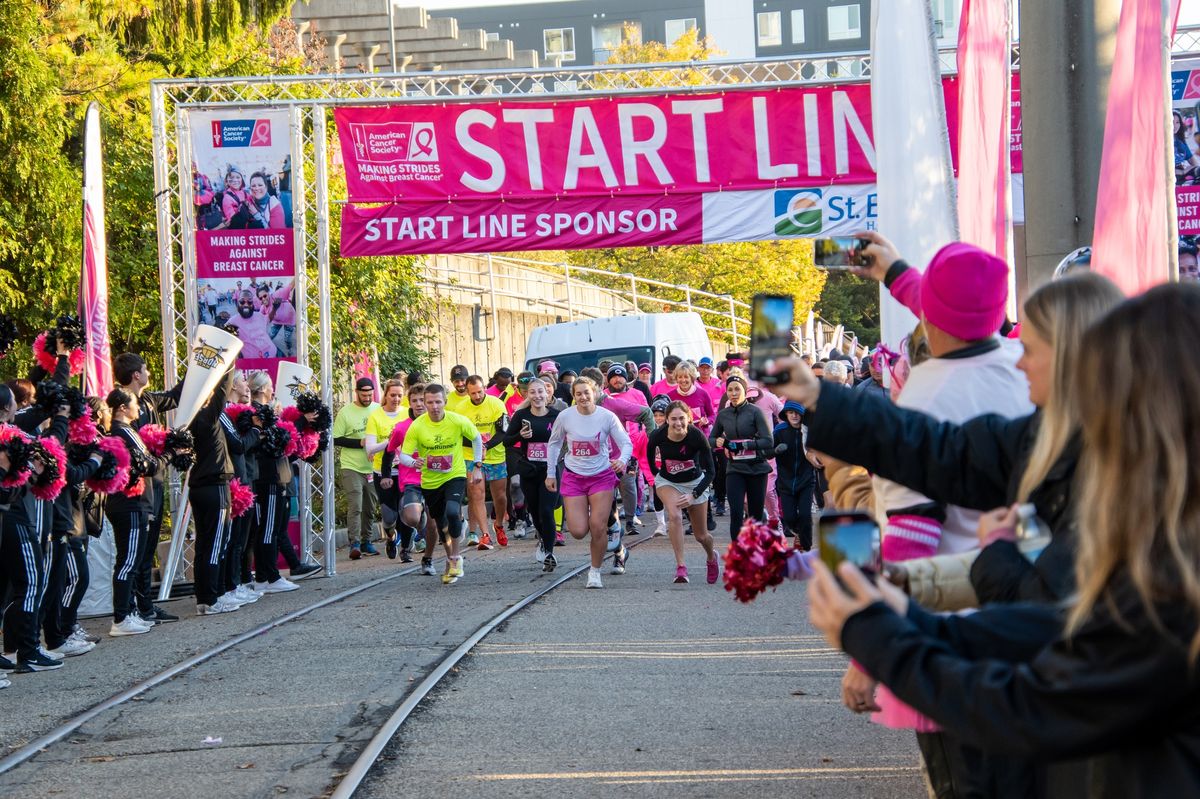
<point x="1117" y="684"/>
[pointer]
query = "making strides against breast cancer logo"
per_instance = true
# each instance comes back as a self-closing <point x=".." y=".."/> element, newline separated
<point x="208" y="355"/>
<point x="798" y="212"/>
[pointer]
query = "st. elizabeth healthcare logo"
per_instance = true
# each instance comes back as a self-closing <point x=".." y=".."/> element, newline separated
<point x="241" y="133"/>
<point x="798" y="212"/>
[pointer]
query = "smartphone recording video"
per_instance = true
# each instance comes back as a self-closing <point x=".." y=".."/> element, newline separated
<point x="840" y="252"/>
<point x="852" y="536"/>
<point x="772" y="317"/>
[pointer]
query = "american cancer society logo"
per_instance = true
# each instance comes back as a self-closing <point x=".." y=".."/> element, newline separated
<point x="798" y="212"/>
<point x="241" y="133"/>
<point x="389" y="142"/>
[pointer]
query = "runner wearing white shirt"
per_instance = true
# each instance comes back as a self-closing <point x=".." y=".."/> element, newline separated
<point x="591" y="473"/>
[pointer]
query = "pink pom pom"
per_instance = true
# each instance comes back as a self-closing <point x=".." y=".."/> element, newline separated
<point x="83" y="430"/>
<point x="19" y="476"/>
<point x="235" y="409"/>
<point x="76" y="360"/>
<point x="240" y="498"/>
<point x="136" y="489"/>
<point x="114" y="448"/>
<point x="47" y="360"/>
<point x="48" y="487"/>
<point x="291" y="414"/>
<point x="755" y="561"/>
<point x="154" y="436"/>
<point x="293" y="444"/>
<point x="309" y="441"/>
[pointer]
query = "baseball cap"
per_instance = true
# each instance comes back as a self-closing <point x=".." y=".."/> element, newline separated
<point x="569" y="373"/>
<point x="706" y="361"/>
<point x="459" y="372"/>
<point x="660" y="404"/>
<point x="364" y="383"/>
<point x="617" y="369"/>
<point x="644" y="367"/>
<point x="548" y="366"/>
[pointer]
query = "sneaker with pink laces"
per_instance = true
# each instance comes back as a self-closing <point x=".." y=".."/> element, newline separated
<point x="714" y="571"/>
<point x="681" y="574"/>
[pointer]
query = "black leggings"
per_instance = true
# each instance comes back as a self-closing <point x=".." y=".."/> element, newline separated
<point x="797" y="512"/>
<point x="20" y="581"/>
<point x="210" y="511"/>
<point x="445" y="504"/>
<point x="722" y="466"/>
<point x="78" y="578"/>
<point x="56" y="581"/>
<point x="271" y="512"/>
<point x="541" y="503"/>
<point x="234" y="570"/>
<point x="129" y="533"/>
<point x="750" y="489"/>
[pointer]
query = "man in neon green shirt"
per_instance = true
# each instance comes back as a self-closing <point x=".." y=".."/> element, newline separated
<point x="456" y="399"/>
<point x="354" y="469"/>
<point x="490" y="418"/>
<point x="437" y="435"/>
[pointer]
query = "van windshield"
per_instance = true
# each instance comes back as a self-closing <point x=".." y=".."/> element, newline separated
<point x="576" y="361"/>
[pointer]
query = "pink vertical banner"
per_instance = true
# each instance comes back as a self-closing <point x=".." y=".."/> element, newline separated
<point x="93" y="279"/>
<point x="984" y="96"/>
<point x="364" y="366"/>
<point x="1131" y="236"/>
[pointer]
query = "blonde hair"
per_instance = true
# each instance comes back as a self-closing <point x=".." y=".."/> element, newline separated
<point x="1139" y="473"/>
<point x="585" y="382"/>
<point x="688" y="368"/>
<point x="258" y="379"/>
<point x="1060" y="312"/>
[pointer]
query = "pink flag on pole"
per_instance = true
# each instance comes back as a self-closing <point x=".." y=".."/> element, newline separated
<point x="93" y="282"/>
<point x="1131" y="235"/>
<point x="983" y="125"/>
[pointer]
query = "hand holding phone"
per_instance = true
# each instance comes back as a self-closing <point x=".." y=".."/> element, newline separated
<point x="772" y="318"/>
<point x="850" y="536"/>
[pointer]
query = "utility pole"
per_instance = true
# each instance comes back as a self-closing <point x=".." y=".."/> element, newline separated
<point x="1067" y="51"/>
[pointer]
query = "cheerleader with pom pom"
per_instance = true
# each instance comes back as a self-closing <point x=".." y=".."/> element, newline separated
<point x="128" y="509"/>
<point x="271" y="491"/>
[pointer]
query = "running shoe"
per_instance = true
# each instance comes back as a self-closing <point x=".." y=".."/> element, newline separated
<point x="681" y="574"/>
<point x="369" y="549"/>
<point x="39" y="662"/>
<point x="614" y="537"/>
<point x="419" y="546"/>
<point x="559" y="541"/>
<point x="485" y="543"/>
<point x="5" y="682"/>
<point x="71" y="648"/>
<point x="637" y="518"/>
<point x="406" y="556"/>
<point x="714" y="571"/>
<point x="501" y="538"/>
<point x="51" y="655"/>
<point x="661" y="529"/>
<point x="457" y="566"/>
<point x="246" y="596"/>
<point x="390" y="547"/>
<point x="720" y="507"/>
<point x="128" y="626"/>
<point x="306" y="570"/>
<point x="548" y="563"/>
<point x="631" y="530"/>
<point x="521" y="531"/>
<point x="95" y="639"/>
<point x="427" y="567"/>
<point x="277" y="587"/>
<point x="355" y="554"/>
<point x="448" y="576"/>
<point x="7" y="666"/>
<point x="472" y="539"/>
<point x="594" y="580"/>
<point x="540" y="554"/>
<point x="619" y="560"/>
<point x="160" y="616"/>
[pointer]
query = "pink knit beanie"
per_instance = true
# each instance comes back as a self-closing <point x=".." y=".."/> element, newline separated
<point x="964" y="291"/>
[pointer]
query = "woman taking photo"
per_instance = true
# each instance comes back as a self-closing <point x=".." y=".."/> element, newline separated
<point x="530" y="428"/>
<point x="743" y="432"/>
<point x="582" y="433"/>
<point x="1116" y="685"/>
<point x="682" y="462"/>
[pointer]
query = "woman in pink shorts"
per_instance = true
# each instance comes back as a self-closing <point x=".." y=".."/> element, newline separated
<point x="582" y="434"/>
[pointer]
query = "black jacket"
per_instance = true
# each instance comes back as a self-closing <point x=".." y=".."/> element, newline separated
<point x="213" y="466"/>
<point x="1120" y="692"/>
<point x="745" y="422"/>
<point x="144" y="502"/>
<point x="792" y="470"/>
<point x="241" y="448"/>
<point x="977" y="465"/>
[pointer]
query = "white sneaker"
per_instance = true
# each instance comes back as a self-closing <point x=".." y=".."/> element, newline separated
<point x="51" y="655"/>
<point x="540" y="555"/>
<point x="662" y="523"/>
<point x="127" y="626"/>
<point x="229" y="598"/>
<point x="594" y="580"/>
<point x="213" y="609"/>
<point x="4" y="681"/>
<point x="638" y="521"/>
<point x="249" y="589"/>
<point x="278" y="587"/>
<point x="72" y="647"/>
<point x="246" y="596"/>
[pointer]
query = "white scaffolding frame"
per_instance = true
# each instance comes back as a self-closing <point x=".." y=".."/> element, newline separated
<point x="310" y="97"/>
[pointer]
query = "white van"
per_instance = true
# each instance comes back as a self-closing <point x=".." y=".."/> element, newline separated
<point x="644" y="338"/>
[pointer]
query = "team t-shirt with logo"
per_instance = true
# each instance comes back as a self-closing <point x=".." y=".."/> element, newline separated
<point x="351" y="422"/>
<point x="380" y="424"/>
<point x="456" y="401"/>
<point x="486" y="417"/>
<point x="440" y="445"/>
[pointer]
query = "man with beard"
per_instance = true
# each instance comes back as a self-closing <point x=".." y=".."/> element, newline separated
<point x="253" y="328"/>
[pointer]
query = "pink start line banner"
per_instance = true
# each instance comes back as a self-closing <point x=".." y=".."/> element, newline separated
<point x="614" y="171"/>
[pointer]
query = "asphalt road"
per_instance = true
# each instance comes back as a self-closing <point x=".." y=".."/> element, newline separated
<point x="645" y="687"/>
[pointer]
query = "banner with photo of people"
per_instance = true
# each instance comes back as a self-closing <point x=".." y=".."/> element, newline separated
<point x="1185" y="144"/>
<point x="245" y="245"/>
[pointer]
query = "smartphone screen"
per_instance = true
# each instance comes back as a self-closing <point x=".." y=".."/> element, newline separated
<point x="838" y="252"/>
<point x="852" y="536"/>
<point x="772" y="318"/>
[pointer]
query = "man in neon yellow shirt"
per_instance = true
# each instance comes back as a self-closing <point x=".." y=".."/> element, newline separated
<point x="354" y="468"/>
<point x="456" y="399"/>
<point x="490" y="418"/>
<point x="437" y="435"/>
<point x="378" y="431"/>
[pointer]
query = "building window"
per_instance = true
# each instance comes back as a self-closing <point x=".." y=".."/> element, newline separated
<point x="844" y="23"/>
<point x="608" y="37"/>
<point x="798" y="26"/>
<point x="559" y="43"/>
<point x="945" y="18"/>
<point x="678" y="27"/>
<point x="492" y="37"/>
<point x="770" y="29"/>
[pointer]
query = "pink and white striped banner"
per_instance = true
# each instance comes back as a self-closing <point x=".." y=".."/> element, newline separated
<point x="93" y="282"/>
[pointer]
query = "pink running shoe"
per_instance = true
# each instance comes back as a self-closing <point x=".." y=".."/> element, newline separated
<point x="714" y="571"/>
<point x="681" y="574"/>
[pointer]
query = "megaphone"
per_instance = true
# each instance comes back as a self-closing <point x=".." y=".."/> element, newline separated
<point x="213" y="352"/>
<point x="291" y="381"/>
